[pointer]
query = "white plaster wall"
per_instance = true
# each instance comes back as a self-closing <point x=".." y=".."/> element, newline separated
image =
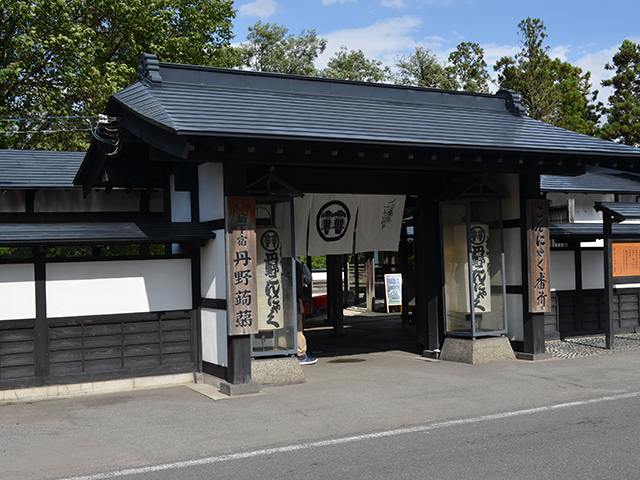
<point x="563" y="270"/>
<point x="180" y="203"/>
<point x="212" y="267"/>
<point x="592" y="269"/>
<point x="12" y="201"/>
<point x="515" y="322"/>
<point x="17" y="292"/>
<point x="96" y="201"/>
<point x="211" y="191"/>
<point x="103" y="288"/>
<point x="214" y="336"/>
<point x="512" y="253"/>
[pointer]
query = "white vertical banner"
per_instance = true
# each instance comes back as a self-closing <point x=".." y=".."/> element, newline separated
<point x="269" y="279"/>
<point x="379" y="223"/>
<point x="480" y="270"/>
<point x="331" y="222"/>
<point x="301" y="207"/>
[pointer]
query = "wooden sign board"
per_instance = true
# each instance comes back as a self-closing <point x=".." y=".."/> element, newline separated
<point x="242" y="289"/>
<point x="625" y="259"/>
<point x="393" y="289"/>
<point x="538" y="255"/>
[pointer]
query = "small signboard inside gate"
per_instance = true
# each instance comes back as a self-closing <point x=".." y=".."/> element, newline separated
<point x="393" y="289"/>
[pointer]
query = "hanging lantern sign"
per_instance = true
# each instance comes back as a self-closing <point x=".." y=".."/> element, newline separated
<point x="269" y="273"/>
<point x="479" y="240"/>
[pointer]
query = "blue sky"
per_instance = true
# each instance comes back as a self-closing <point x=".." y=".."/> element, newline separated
<point x="584" y="33"/>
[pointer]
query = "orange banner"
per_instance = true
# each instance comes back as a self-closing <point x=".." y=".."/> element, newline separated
<point x="626" y="259"/>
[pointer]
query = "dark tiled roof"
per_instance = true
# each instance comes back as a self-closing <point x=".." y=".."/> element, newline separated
<point x="591" y="183"/>
<point x="21" y="234"/>
<point x="189" y="100"/>
<point x="619" y="210"/>
<point x="590" y="231"/>
<point x="38" y="168"/>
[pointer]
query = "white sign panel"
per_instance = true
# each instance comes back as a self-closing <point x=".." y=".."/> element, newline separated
<point x="269" y="273"/>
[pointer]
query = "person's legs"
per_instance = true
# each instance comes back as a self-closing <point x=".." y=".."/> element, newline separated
<point x="303" y="358"/>
<point x="302" y="341"/>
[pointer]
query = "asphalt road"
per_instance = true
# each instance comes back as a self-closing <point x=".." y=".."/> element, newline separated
<point x="596" y="438"/>
<point x="377" y="414"/>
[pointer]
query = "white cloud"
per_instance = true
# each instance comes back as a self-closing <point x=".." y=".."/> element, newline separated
<point x="494" y="52"/>
<point x="383" y="40"/>
<point x="393" y="3"/>
<point x="341" y="2"/>
<point x="594" y="63"/>
<point x="259" y="8"/>
<point x="560" y="52"/>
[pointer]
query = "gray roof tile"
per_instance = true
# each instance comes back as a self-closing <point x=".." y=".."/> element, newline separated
<point x="38" y="168"/>
<point x="217" y="102"/>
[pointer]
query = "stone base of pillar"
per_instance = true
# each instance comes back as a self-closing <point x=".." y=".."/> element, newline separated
<point x="479" y="350"/>
<point x="277" y="371"/>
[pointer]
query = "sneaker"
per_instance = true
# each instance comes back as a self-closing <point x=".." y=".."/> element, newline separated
<point x="307" y="360"/>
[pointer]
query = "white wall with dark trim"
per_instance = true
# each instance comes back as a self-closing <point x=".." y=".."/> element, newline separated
<point x="127" y="286"/>
<point x="17" y="292"/>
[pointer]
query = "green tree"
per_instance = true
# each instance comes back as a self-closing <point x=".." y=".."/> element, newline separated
<point x="420" y="69"/>
<point x="353" y="65"/>
<point x="65" y="58"/>
<point x="552" y="91"/>
<point x="529" y="73"/>
<point x="271" y="48"/>
<point x="623" y="111"/>
<point x="467" y="69"/>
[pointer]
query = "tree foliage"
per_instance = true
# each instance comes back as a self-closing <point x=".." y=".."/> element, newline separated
<point x="420" y="69"/>
<point x="467" y="69"/>
<point x="353" y="65"/>
<point x="552" y="91"/>
<point x="271" y="48"/>
<point x="623" y="111"/>
<point x="65" y="58"/>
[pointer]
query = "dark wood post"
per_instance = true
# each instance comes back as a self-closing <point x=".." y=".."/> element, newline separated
<point x="533" y="322"/>
<point x="334" y="293"/>
<point x="608" y="283"/>
<point x="41" y="329"/>
<point x="238" y="346"/>
<point x="356" y="273"/>
<point x="404" y="269"/>
<point x="345" y="288"/>
<point x="428" y="284"/>
<point x="578" y="303"/>
<point x="370" y="276"/>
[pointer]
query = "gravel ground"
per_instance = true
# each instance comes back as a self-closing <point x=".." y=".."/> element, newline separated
<point x="588" y="346"/>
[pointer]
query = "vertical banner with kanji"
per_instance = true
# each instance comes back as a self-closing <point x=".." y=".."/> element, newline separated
<point x="538" y="255"/>
<point x="242" y="304"/>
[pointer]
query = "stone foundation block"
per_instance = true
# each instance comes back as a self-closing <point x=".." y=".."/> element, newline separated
<point x="479" y="350"/>
<point x="277" y="371"/>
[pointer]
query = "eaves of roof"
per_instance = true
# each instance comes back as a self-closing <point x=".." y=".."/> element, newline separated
<point x="27" y="234"/>
<point x="32" y="169"/>
<point x="591" y="183"/>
